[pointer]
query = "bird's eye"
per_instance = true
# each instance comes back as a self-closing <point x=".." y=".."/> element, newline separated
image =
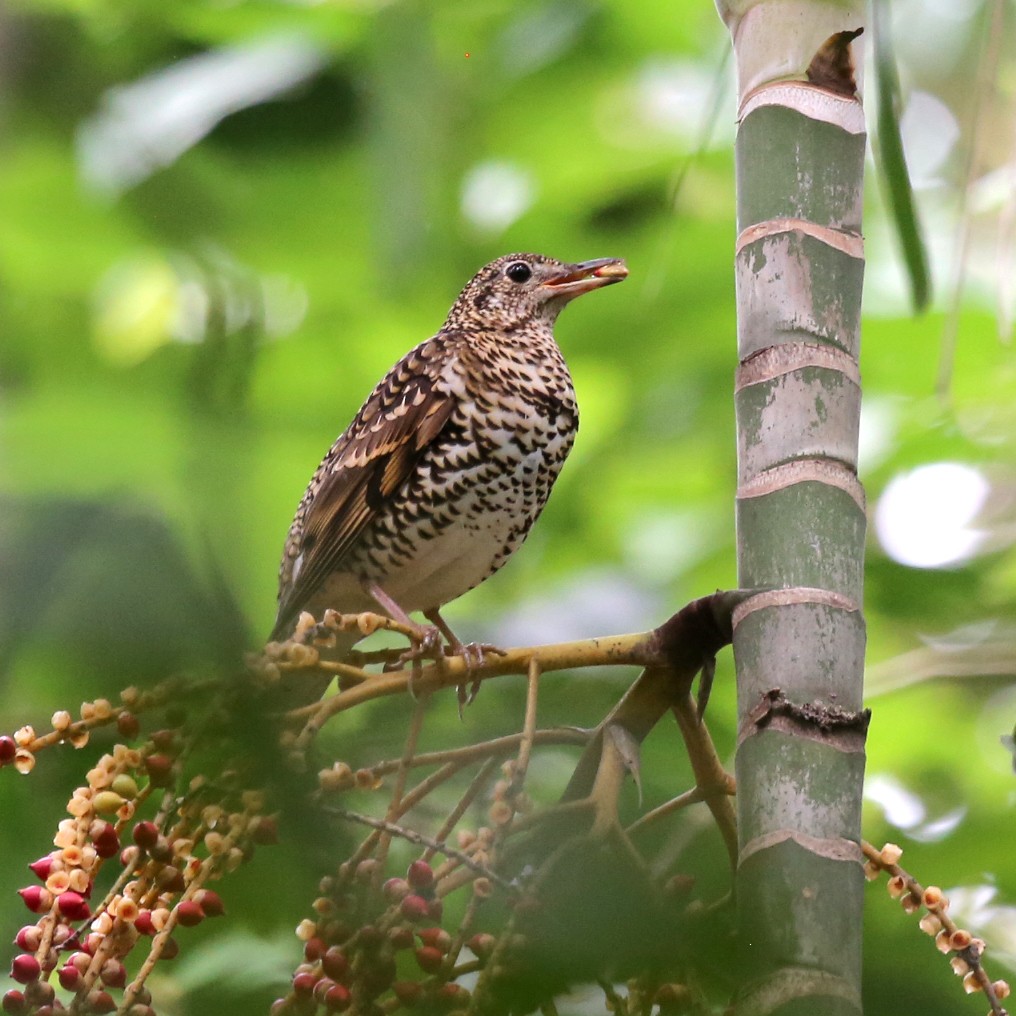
<point x="518" y="271"/>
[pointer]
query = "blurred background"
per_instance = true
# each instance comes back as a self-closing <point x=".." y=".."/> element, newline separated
<point x="221" y="222"/>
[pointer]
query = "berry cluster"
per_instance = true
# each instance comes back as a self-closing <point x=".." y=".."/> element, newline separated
<point x="381" y="948"/>
<point x="949" y="938"/>
<point x="197" y="832"/>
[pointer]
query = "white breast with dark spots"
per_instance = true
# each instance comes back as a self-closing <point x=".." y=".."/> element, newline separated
<point x="471" y="502"/>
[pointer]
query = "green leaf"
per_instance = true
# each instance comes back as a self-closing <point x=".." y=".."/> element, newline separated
<point x="893" y="163"/>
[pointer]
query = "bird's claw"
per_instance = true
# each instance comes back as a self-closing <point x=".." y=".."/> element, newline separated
<point x="426" y="645"/>
<point x="474" y="655"/>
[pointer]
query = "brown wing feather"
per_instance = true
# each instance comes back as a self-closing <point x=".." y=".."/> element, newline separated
<point x="366" y="466"/>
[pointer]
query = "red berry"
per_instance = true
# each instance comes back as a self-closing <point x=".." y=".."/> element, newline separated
<point x="429" y="958"/>
<point x="420" y="875"/>
<point x="39" y="994"/>
<point x="452" y="995"/>
<point x="164" y="740"/>
<point x="189" y="913"/>
<point x="482" y="944"/>
<point x="106" y="842"/>
<point x="25" y="968"/>
<point x="101" y="1002"/>
<point x="70" y="978"/>
<point x="337" y="998"/>
<point x="303" y="984"/>
<point x="435" y="908"/>
<point x="80" y="961"/>
<point x="401" y="938"/>
<point x="408" y="992"/>
<point x="413" y="907"/>
<point x="171" y="949"/>
<point x="159" y="769"/>
<point x="14" y="1002"/>
<point x="42" y="868"/>
<point x="36" y="898"/>
<point x="28" y="938"/>
<point x="395" y="889"/>
<point x="73" y="906"/>
<point x="143" y="922"/>
<point x="437" y="937"/>
<point x="265" y="832"/>
<point x="314" y="948"/>
<point x="335" y="963"/>
<point x="113" y="974"/>
<point x="145" y="835"/>
<point x="170" y="879"/>
<point x="211" y="902"/>
<point x="128" y="725"/>
<point x="8" y="749"/>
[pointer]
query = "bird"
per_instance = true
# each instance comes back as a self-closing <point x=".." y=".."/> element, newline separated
<point x="441" y="474"/>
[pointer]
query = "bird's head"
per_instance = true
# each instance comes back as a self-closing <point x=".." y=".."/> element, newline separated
<point x="518" y="288"/>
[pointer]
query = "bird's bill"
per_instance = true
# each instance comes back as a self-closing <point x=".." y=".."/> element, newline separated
<point x="587" y="276"/>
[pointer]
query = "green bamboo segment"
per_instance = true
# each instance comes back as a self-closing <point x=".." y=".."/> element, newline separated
<point x="803" y="922"/>
<point x="801" y="522"/>
<point x="808" y="534"/>
<point x="790" y="166"/>
<point x="835" y="641"/>
<point x="780" y="272"/>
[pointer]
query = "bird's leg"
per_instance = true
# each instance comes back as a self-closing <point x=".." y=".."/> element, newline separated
<point x="427" y="638"/>
<point x="472" y="653"/>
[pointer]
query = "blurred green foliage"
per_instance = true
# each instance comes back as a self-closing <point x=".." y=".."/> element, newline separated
<point x="220" y="223"/>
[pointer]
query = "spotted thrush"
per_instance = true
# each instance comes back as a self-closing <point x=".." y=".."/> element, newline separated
<point x="449" y="462"/>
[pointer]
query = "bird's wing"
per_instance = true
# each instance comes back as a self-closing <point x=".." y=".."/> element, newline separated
<point x="363" y="470"/>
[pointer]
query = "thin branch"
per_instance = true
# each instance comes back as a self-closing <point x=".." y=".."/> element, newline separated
<point x="412" y="836"/>
<point x="949" y="937"/>
<point x="711" y="778"/>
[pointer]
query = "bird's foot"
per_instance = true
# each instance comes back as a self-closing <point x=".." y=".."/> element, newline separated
<point x="425" y="644"/>
<point x="474" y="655"/>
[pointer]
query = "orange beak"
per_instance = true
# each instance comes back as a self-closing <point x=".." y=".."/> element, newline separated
<point x="587" y="276"/>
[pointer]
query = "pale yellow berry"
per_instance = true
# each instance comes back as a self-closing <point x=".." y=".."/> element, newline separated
<point x="932" y="897"/>
<point x="960" y="939"/>
<point x="910" y="903"/>
<point x="126" y="909"/>
<point x="1001" y="989"/>
<point x="500" y="812"/>
<point x="930" y="924"/>
<point x="971" y="983"/>
<point x="24" y="761"/>
<point x="891" y="853"/>
<point x="896" y="886"/>
<point x="103" y="708"/>
<point x="253" y="800"/>
<point x="216" y="843"/>
<point x="306" y="930"/>
<point x="78" y="737"/>
<point x="959" y="965"/>
<point x="61" y="719"/>
<point x="942" y="941"/>
<point x="79" y="880"/>
<point x="58" y="882"/>
<point x="24" y="735"/>
<point x="871" y="871"/>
